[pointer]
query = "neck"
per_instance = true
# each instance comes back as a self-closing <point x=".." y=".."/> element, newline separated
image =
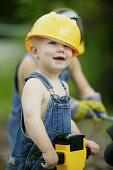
<point x="49" y="75"/>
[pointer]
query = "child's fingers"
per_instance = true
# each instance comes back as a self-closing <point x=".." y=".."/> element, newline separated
<point x="48" y="166"/>
<point x="93" y="147"/>
<point x="50" y="158"/>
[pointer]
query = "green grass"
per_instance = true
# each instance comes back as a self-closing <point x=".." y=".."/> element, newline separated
<point x="11" y="51"/>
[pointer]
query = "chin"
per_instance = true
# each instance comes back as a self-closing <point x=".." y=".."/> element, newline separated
<point x="60" y="68"/>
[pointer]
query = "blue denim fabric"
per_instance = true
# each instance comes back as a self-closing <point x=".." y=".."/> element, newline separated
<point x="14" y="119"/>
<point x="15" y="115"/>
<point x="65" y="74"/>
<point x="57" y="120"/>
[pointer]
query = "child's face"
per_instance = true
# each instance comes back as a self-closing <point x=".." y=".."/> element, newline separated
<point x="52" y="55"/>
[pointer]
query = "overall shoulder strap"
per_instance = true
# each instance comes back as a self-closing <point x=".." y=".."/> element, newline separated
<point x="41" y="78"/>
<point x="64" y="86"/>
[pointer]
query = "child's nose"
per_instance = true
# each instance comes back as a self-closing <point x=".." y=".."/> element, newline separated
<point x="60" y="48"/>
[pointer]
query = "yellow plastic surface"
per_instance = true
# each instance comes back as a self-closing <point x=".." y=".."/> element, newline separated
<point x="74" y="160"/>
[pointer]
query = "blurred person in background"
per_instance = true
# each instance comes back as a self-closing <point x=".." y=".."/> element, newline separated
<point x="90" y="101"/>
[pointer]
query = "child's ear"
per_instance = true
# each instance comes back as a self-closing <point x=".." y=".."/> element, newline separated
<point x="34" y="51"/>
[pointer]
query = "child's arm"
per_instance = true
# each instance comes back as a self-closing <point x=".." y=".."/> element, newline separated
<point x="74" y="128"/>
<point x="90" y="144"/>
<point x="32" y="97"/>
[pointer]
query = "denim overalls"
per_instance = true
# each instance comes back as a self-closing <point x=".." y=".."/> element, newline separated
<point x="57" y="120"/>
<point x="15" y="115"/>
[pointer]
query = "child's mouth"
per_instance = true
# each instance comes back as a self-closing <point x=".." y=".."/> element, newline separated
<point x="59" y="59"/>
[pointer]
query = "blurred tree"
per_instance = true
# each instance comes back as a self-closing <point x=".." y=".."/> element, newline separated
<point x="7" y="11"/>
<point x="106" y="81"/>
<point x="30" y="10"/>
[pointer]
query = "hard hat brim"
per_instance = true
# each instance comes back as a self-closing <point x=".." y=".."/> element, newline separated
<point x="28" y="40"/>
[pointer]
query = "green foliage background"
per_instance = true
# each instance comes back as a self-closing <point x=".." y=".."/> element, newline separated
<point x="97" y="62"/>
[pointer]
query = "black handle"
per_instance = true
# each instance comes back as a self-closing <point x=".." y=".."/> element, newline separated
<point x="88" y="152"/>
<point x="60" y="158"/>
<point x="110" y="132"/>
<point x="42" y="160"/>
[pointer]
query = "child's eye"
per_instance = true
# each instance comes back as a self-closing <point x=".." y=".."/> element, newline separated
<point x="52" y="43"/>
<point x="66" y="46"/>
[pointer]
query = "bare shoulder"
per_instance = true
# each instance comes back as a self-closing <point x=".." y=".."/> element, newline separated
<point x="32" y="97"/>
<point x="33" y="93"/>
<point x="34" y="86"/>
<point x="28" y="65"/>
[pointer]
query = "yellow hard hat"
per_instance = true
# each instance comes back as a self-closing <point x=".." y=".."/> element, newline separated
<point x="58" y="27"/>
<point x="72" y="14"/>
<point x="81" y="48"/>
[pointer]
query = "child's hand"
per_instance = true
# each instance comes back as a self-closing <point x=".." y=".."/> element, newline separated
<point x="50" y="158"/>
<point x="93" y="147"/>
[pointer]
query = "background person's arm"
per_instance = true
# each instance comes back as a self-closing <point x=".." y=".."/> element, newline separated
<point x="80" y="82"/>
<point x="91" y="101"/>
<point x="26" y="67"/>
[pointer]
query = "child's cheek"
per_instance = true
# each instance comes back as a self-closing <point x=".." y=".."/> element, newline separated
<point x="69" y="60"/>
<point x="49" y="53"/>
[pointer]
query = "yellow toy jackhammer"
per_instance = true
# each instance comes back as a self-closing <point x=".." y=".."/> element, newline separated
<point x="71" y="152"/>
